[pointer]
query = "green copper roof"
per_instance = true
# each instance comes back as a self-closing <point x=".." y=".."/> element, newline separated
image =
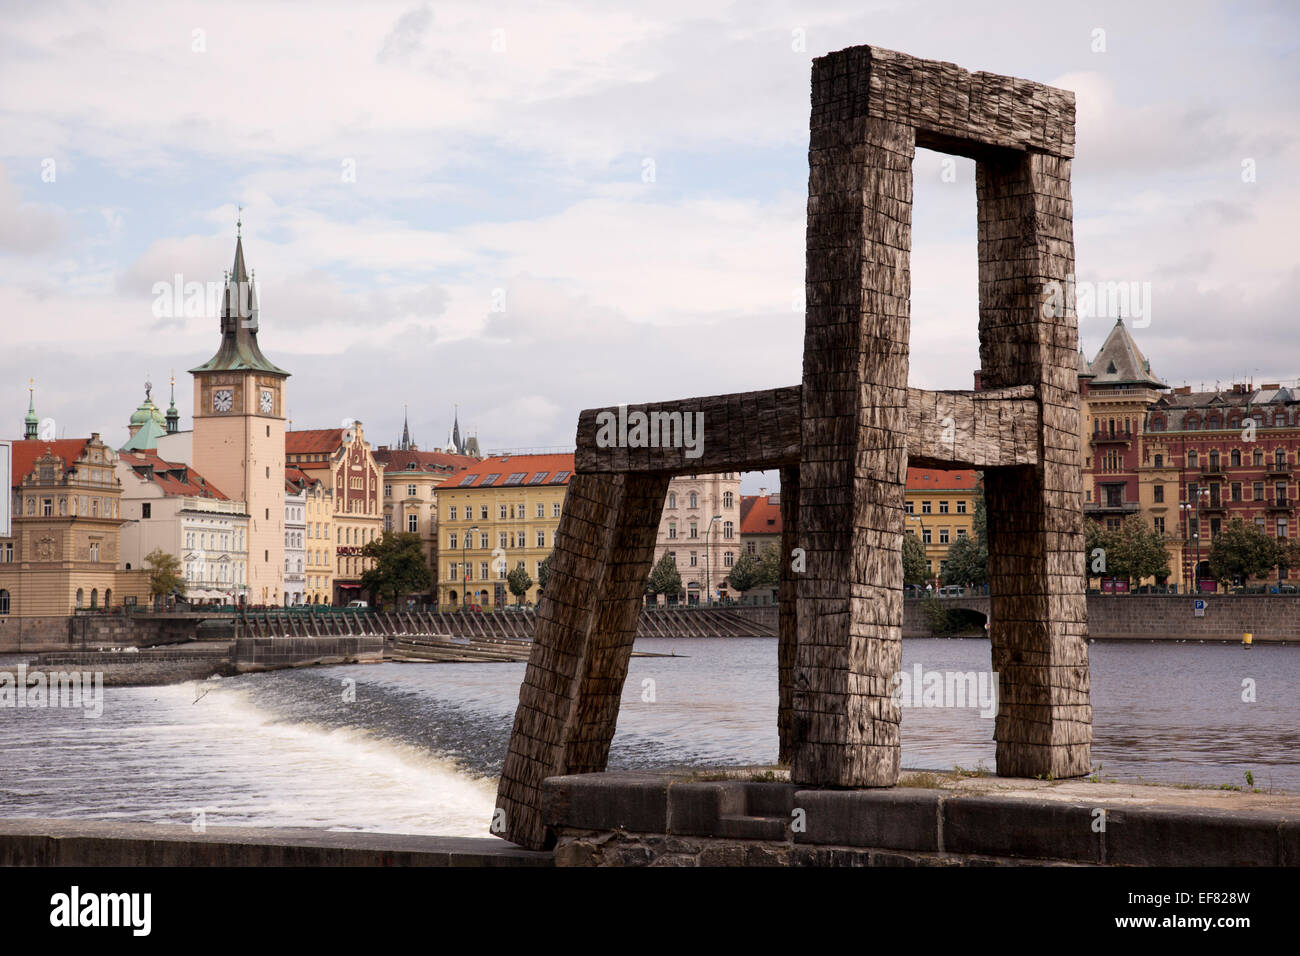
<point x="146" y="439"/>
<point x="239" y="350"/>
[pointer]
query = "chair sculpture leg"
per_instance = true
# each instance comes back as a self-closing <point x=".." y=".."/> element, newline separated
<point x="853" y="459"/>
<point x="1036" y="562"/>
<point x="568" y="703"/>
<point x="787" y="621"/>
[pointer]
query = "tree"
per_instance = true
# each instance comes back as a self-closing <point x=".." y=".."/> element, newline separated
<point x="164" y="573"/>
<point x="1242" y="551"/>
<point x="544" y="572"/>
<point x="1137" y="551"/>
<point x="968" y="557"/>
<point x="746" y="573"/>
<point x="519" y="582"/>
<point x="1098" y="543"/>
<point x="914" y="571"/>
<point x="769" y="563"/>
<point x="664" y="578"/>
<point x="399" y="565"/>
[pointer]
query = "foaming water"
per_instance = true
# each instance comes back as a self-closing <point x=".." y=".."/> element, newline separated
<point x="416" y="747"/>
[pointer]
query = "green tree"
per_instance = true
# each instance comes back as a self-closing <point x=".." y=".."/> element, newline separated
<point x="399" y="565"/>
<point x="1098" y="543"/>
<point x="544" y="572"/>
<point x="913" y="559"/>
<point x="968" y="556"/>
<point x="1137" y="552"/>
<point x="746" y="573"/>
<point x="519" y="582"/>
<point x="1242" y="551"/>
<point x="769" y="563"/>
<point x="164" y="573"/>
<point x="664" y="578"/>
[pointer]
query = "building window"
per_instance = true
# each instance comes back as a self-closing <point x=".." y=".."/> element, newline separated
<point x="482" y="513"/>
<point x="94" y="551"/>
<point x="411" y="491"/>
<point x="672" y="499"/>
<point x="728" y="499"/>
<point x="541" y="509"/>
<point x="483" y="570"/>
<point x="1236" y="491"/>
<point x="555" y="509"/>
<point x="1279" y="458"/>
<point x="1281" y="527"/>
<point x="1192" y="460"/>
<point x="541" y="539"/>
<point x="482" y="539"/>
<point x="413" y="523"/>
<point x="695" y="530"/>
<point x="503" y="511"/>
<point x="728" y="530"/>
<point x="1157" y="493"/>
<point x="453" y="513"/>
<point x="943" y="507"/>
<point x="925" y="507"/>
<point x="388" y="522"/>
<point x="961" y="533"/>
<point x="1257" y="458"/>
<point x="451" y="541"/>
<point x="1258" y="488"/>
<point x="4" y="601"/>
<point x="925" y="535"/>
<point x="907" y="506"/>
<point x="1235" y="458"/>
<point x="1160" y="461"/>
<point x="728" y="559"/>
<point x="388" y="491"/>
<point x="672" y="531"/>
<point x="961" y="507"/>
<point x="1279" y="491"/>
<point x="943" y="535"/>
<point x="694" y="560"/>
<point x="452" y="568"/>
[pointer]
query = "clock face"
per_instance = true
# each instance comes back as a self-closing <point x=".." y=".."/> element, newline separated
<point x="268" y="401"/>
<point x="223" y="400"/>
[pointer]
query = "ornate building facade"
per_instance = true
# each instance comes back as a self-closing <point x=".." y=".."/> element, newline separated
<point x="700" y="529"/>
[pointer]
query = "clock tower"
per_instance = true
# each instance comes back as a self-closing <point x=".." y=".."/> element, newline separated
<point x="239" y="431"/>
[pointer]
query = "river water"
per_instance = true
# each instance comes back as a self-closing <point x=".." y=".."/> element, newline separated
<point x="418" y="748"/>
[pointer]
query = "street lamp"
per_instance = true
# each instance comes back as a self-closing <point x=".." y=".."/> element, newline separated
<point x="465" y="566"/>
<point x="708" y="532"/>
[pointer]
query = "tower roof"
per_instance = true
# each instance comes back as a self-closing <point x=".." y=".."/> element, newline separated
<point x="1121" y="362"/>
<point x="239" y="350"/>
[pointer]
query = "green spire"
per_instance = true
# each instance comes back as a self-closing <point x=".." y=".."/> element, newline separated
<point x="31" y="423"/>
<point x="173" y="416"/>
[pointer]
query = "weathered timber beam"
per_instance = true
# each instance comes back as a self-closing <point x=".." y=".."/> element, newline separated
<point x="758" y="431"/>
<point x="951" y="109"/>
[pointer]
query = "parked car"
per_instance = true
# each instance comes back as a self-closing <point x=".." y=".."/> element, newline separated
<point x="359" y="604"/>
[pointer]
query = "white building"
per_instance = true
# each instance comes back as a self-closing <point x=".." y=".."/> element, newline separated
<point x="295" y="545"/>
<point x="167" y="505"/>
<point x="700" y="528"/>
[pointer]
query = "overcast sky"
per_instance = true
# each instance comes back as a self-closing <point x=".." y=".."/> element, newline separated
<point x="532" y="208"/>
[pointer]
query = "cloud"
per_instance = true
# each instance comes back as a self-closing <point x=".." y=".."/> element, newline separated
<point x="26" y="228"/>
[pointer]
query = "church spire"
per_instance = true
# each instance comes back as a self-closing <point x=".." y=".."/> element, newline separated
<point x="406" y="431"/>
<point x="239" y="350"/>
<point x="173" y="416"/>
<point x="31" y="424"/>
<point x="457" y="442"/>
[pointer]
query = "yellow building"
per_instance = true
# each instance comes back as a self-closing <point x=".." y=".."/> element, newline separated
<point x="940" y="507"/>
<point x="64" y="553"/>
<point x="495" y="516"/>
<point x="340" y="458"/>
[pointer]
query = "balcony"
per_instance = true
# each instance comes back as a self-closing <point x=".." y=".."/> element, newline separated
<point x="1276" y="470"/>
<point x="1110" y="507"/>
<point x="1211" y="469"/>
<point x="1280" y="504"/>
<point x="1111" y="438"/>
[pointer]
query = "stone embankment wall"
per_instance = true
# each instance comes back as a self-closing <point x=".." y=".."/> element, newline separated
<point x="268" y="653"/>
<point x="93" y="631"/>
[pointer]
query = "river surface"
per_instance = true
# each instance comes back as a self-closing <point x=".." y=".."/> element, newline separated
<point x="419" y="747"/>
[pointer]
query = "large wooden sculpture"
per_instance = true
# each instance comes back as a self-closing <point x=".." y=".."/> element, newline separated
<point x="843" y="441"/>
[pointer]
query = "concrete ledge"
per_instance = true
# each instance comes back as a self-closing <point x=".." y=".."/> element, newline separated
<point x="658" y="819"/>
<point x="58" y="842"/>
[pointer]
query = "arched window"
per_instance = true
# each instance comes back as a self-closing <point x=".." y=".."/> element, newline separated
<point x="1191" y="459"/>
<point x="695" y="501"/>
<point x="728" y="529"/>
<point x="81" y="598"/>
<point x="94" y="598"/>
<point x="728" y="499"/>
<point x="672" y="499"/>
<point x="1212" y="421"/>
<point x="1236" y="458"/>
<point x="108" y="597"/>
<point x="4" y="601"/>
<point x="1279" y="457"/>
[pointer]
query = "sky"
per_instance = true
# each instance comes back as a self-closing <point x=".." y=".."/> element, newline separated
<point x="527" y="209"/>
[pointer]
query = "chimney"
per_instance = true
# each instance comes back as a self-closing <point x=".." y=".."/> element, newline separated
<point x="1183" y="390"/>
<point x="762" y="492"/>
<point x="979" y="379"/>
<point x="1271" y="385"/>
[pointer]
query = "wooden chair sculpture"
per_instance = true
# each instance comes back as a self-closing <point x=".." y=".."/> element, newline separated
<point x="843" y="441"/>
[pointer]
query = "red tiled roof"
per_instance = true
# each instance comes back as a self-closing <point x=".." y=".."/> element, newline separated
<point x="27" y="452"/>
<point x="318" y="441"/>
<point x="295" y="480"/>
<point x="529" y="466"/>
<point x="396" y="460"/>
<point x="174" y="479"/>
<point x="934" y="479"/>
<point x="759" y="514"/>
